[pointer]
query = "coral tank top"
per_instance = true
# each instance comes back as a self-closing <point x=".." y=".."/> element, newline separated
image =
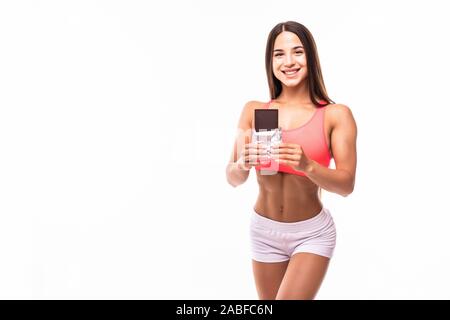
<point x="310" y="136"/>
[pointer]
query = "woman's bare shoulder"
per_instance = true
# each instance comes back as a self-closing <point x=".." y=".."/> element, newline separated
<point x="338" y="110"/>
<point x="248" y="112"/>
<point x="251" y="105"/>
<point x="340" y="114"/>
<point x="338" y="107"/>
<point x="254" y="104"/>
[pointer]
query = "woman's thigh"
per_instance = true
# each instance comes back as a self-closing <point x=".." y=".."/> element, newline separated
<point x="303" y="277"/>
<point x="268" y="277"/>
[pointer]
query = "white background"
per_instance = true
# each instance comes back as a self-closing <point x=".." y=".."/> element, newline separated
<point x="117" y="119"/>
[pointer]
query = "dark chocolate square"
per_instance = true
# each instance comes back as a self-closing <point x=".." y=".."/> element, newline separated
<point x="266" y="119"/>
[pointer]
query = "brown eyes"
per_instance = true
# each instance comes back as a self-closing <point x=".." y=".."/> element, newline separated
<point x="280" y="54"/>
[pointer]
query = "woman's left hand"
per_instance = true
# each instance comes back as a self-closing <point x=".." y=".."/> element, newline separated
<point x="292" y="155"/>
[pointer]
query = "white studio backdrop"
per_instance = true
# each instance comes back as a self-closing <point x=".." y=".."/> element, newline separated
<point x="117" y="119"/>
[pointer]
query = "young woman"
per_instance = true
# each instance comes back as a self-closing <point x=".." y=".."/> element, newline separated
<point x="292" y="234"/>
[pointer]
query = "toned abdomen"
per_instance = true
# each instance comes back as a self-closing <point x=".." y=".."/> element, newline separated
<point x="287" y="197"/>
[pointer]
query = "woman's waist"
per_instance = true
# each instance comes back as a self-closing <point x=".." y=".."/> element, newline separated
<point x="287" y="209"/>
<point x="322" y="219"/>
<point x="289" y="191"/>
<point x="285" y="182"/>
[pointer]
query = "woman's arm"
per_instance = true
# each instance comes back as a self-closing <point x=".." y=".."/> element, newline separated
<point x="343" y="145"/>
<point x="235" y="175"/>
<point x="235" y="172"/>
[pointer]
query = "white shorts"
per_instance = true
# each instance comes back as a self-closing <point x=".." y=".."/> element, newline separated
<point x="275" y="241"/>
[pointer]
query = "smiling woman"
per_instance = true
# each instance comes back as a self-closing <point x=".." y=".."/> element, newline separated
<point x="293" y="48"/>
<point x="292" y="233"/>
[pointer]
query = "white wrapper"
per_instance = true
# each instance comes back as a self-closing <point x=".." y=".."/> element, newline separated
<point x="268" y="138"/>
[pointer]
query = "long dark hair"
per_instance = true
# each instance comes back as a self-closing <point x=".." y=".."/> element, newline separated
<point x="317" y="91"/>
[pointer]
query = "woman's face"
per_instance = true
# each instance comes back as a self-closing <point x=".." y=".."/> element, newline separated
<point x="289" y="60"/>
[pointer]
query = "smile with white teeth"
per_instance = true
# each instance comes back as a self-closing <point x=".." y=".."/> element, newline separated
<point x="291" y="72"/>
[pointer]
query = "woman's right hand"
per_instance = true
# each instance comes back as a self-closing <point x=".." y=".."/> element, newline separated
<point x="251" y="155"/>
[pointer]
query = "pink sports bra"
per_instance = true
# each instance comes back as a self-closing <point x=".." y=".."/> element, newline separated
<point x="310" y="136"/>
